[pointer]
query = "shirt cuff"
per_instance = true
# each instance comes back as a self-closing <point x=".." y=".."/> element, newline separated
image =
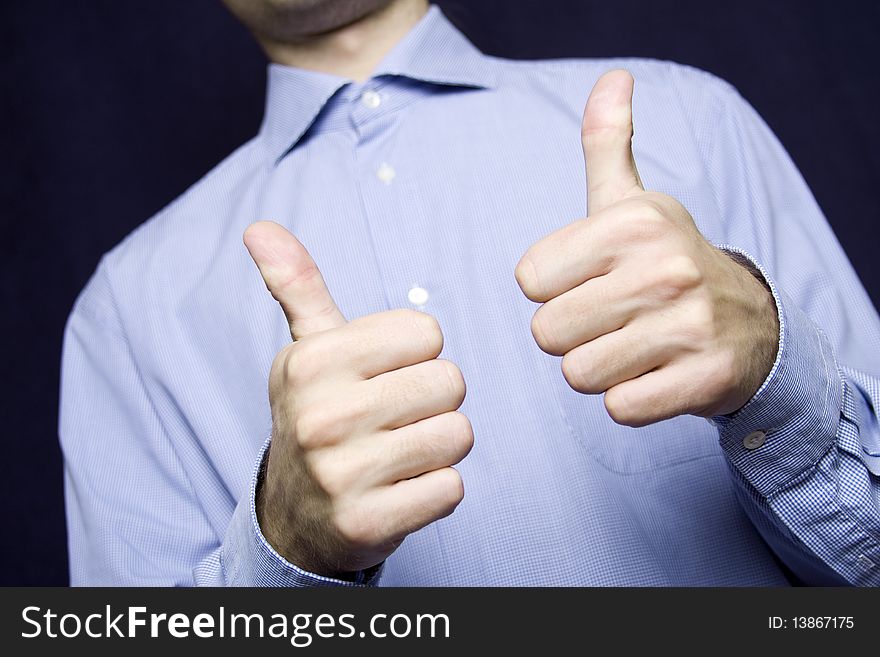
<point x="791" y="422"/>
<point x="247" y="559"/>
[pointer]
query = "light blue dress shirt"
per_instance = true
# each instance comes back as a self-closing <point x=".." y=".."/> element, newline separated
<point x="422" y="187"/>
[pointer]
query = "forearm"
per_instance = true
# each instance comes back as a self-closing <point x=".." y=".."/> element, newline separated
<point x="799" y="451"/>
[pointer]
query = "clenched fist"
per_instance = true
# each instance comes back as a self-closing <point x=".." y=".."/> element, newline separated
<point x="365" y="426"/>
<point x="638" y="303"/>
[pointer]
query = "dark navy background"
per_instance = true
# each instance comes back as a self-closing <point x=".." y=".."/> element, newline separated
<point x="109" y="109"/>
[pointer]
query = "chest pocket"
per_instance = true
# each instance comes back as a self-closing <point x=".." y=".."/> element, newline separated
<point x="625" y="450"/>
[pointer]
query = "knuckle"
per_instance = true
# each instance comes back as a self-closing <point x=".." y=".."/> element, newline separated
<point x="461" y="433"/>
<point x="685" y="272"/>
<point x="329" y="476"/>
<point x="677" y="275"/>
<point x="287" y="361"/>
<point x="315" y="426"/>
<point x="661" y="204"/>
<point x="423" y="327"/>
<point x="301" y="364"/>
<point x="452" y="488"/>
<point x="703" y="313"/>
<point x="577" y="374"/>
<point x="645" y="221"/>
<point x="526" y="276"/>
<point x="651" y="214"/>
<point x="621" y="409"/>
<point x="451" y="374"/>
<point x="446" y="440"/>
<point x="698" y="327"/>
<point x="279" y="372"/>
<point x="544" y="330"/>
<point x="572" y="372"/>
<point x="356" y="527"/>
<point x="652" y="210"/>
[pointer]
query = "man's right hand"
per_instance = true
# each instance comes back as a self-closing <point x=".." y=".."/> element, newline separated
<point x="365" y="422"/>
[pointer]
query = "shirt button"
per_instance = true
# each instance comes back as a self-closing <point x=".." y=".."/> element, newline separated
<point x="754" y="440"/>
<point x="865" y="562"/>
<point x="418" y="296"/>
<point x="385" y="173"/>
<point x="371" y="99"/>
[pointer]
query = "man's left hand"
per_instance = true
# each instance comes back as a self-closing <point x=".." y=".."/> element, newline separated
<point x="638" y="303"/>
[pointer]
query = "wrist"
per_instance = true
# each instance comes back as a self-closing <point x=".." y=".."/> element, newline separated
<point x="761" y="327"/>
<point x="290" y="530"/>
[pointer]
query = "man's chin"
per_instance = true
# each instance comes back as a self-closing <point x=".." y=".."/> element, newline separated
<point x="292" y="20"/>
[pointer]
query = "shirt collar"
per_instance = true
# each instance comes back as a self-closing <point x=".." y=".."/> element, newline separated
<point x="434" y="51"/>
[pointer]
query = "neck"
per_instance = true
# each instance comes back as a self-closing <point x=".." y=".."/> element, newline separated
<point x="354" y="50"/>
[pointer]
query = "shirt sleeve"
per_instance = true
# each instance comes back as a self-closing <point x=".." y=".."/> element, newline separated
<point x="804" y="452"/>
<point x="247" y="559"/>
<point x="136" y="514"/>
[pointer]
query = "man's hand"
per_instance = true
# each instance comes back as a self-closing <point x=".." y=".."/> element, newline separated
<point x="638" y="303"/>
<point x="365" y="426"/>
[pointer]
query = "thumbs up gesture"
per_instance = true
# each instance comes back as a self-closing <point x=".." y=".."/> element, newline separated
<point x="365" y="426"/>
<point x="639" y="305"/>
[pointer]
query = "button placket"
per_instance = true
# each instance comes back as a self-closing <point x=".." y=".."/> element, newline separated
<point x="418" y="296"/>
<point x="371" y="99"/>
<point x="374" y="114"/>
<point x="385" y="173"/>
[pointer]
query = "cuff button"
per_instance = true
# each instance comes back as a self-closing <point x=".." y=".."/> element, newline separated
<point x="754" y="440"/>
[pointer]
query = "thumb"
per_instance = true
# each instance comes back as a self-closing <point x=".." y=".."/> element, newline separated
<point x="606" y="135"/>
<point x="293" y="279"/>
